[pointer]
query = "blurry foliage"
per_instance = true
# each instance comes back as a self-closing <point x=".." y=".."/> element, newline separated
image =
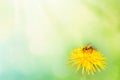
<point x="68" y="24"/>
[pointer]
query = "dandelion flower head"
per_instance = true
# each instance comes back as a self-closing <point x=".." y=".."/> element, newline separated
<point x="87" y="59"/>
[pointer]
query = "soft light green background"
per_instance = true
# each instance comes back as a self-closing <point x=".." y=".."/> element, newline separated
<point x="37" y="35"/>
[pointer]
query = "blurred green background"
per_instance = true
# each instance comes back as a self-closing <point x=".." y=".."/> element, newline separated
<point x="37" y="35"/>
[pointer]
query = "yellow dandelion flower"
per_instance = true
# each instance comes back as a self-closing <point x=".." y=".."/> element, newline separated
<point x="88" y="59"/>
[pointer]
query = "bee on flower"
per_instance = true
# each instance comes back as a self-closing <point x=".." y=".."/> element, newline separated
<point x="87" y="59"/>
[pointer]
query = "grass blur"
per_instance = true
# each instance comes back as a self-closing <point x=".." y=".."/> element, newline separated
<point x="37" y="35"/>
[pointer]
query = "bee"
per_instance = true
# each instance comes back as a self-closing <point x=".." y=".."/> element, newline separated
<point x="88" y="48"/>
